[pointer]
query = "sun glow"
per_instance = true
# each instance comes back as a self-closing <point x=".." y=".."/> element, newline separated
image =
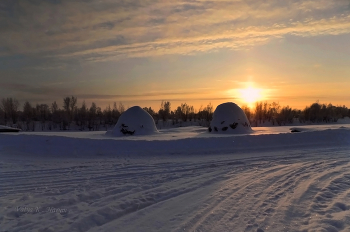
<point x="250" y="95"/>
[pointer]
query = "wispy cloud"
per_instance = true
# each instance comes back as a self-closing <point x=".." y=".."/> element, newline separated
<point x="43" y="90"/>
<point x="104" y="30"/>
<point x="61" y="89"/>
<point x="141" y="95"/>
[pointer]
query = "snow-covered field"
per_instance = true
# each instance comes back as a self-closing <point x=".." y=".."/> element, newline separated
<point x="182" y="179"/>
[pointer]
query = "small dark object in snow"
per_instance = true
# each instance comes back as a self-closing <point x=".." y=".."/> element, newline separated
<point x="123" y="125"/>
<point x="233" y="125"/>
<point x="294" y="131"/>
<point x="215" y="128"/>
<point x="224" y="128"/>
<point x="10" y="130"/>
<point x="209" y="129"/>
<point x="222" y="122"/>
<point x="259" y="230"/>
<point x="127" y="132"/>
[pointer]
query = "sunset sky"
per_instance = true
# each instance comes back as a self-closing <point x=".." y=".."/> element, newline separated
<point x="141" y="52"/>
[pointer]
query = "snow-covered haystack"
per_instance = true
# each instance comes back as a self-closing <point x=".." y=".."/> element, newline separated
<point x="229" y="118"/>
<point x="134" y="121"/>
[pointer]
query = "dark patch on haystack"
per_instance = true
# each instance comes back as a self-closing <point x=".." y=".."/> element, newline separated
<point x="245" y="124"/>
<point x="127" y="132"/>
<point x="234" y="125"/>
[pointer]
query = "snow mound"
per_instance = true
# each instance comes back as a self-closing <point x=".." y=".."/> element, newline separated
<point x="8" y="129"/>
<point x="134" y="121"/>
<point x="229" y="118"/>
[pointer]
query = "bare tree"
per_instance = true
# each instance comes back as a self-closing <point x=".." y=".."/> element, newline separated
<point x="56" y="115"/>
<point x="107" y="116"/>
<point x="99" y="118"/>
<point x="2" y="116"/>
<point x="82" y="116"/>
<point x="164" y="111"/>
<point x="185" y="112"/>
<point x="73" y="105"/>
<point x="274" y="110"/>
<point x="27" y="114"/>
<point x="258" y="111"/>
<point x="206" y="113"/>
<point x="247" y="112"/>
<point x="121" y="108"/>
<point x="10" y="108"/>
<point x="265" y="111"/>
<point x="69" y="105"/>
<point x="66" y="118"/>
<point x="191" y="112"/>
<point x="42" y="111"/>
<point x="149" y="110"/>
<point x="66" y="104"/>
<point x="115" y="113"/>
<point x="92" y="116"/>
<point x="54" y="107"/>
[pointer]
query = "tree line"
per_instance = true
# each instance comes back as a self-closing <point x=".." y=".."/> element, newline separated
<point x="282" y="115"/>
<point x="83" y="117"/>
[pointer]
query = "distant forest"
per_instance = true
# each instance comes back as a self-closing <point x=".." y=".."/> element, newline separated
<point x="83" y="117"/>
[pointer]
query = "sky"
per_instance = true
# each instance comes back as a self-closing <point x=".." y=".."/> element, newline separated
<point x="140" y="52"/>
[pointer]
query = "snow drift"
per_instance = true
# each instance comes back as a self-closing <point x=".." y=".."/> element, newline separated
<point x="134" y="121"/>
<point x="8" y="129"/>
<point x="229" y="118"/>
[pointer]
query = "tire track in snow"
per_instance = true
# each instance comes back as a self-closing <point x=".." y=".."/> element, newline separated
<point x="243" y="209"/>
<point x="325" y="201"/>
<point x="75" y="175"/>
<point x="184" y="172"/>
<point x="246" y="185"/>
<point x="276" y="193"/>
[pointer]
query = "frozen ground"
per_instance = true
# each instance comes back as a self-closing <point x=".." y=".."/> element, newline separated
<point x="178" y="180"/>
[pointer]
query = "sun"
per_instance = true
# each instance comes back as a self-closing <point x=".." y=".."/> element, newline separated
<point x="250" y="95"/>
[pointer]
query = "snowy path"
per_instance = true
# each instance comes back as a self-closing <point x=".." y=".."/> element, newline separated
<point x="306" y="189"/>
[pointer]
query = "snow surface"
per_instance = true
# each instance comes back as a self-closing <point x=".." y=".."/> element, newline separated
<point x="134" y="121"/>
<point x="229" y="118"/>
<point x="183" y="132"/>
<point x="196" y="181"/>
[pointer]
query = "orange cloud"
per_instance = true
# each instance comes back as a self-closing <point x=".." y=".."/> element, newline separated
<point x="105" y="30"/>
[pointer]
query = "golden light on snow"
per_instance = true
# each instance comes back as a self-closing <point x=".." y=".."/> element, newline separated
<point x="250" y="95"/>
